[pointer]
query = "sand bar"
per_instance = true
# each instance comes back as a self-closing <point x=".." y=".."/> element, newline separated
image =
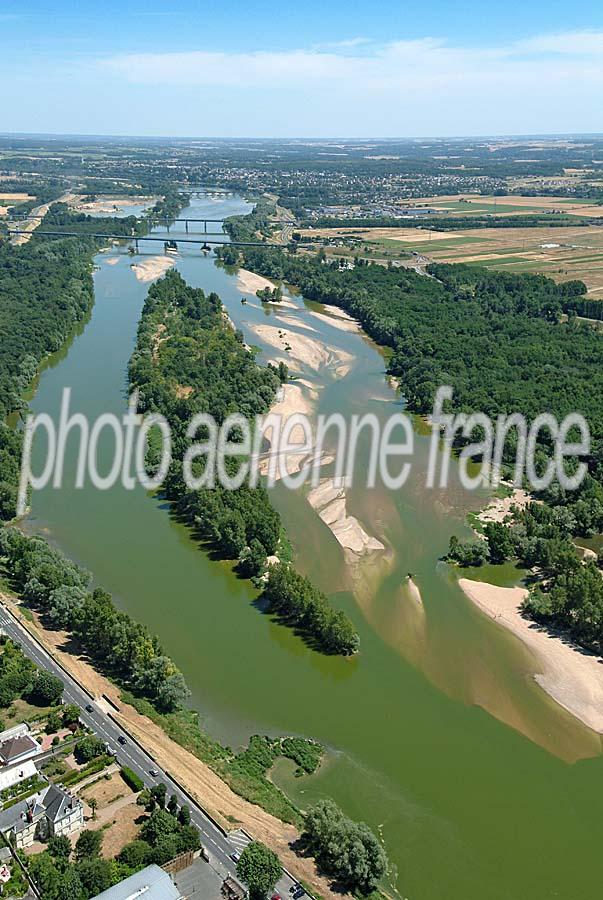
<point x="301" y="350"/>
<point x="330" y="501"/>
<point x="152" y="268"/>
<point x="337" y="318"/>
<point x="570" y="675"/>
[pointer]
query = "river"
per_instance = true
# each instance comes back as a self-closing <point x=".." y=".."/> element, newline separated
<point x="481" y="787"/>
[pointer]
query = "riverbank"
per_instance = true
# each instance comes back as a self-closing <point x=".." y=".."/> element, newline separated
<point x="228" y="809"/>
<point x="570" y="675"/>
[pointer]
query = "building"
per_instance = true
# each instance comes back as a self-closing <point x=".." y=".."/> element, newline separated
<point x="17" y="746"/>
<point x="64" y="813"/>
<point x="151" y="883"/>
<point x="52" y="811"/>
<point x="13" y="775"/>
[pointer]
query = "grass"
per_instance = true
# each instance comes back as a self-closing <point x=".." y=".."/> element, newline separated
<point x="246" y="772"/>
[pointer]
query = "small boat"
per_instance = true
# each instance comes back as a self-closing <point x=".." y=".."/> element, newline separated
<point x="170" y="246"/>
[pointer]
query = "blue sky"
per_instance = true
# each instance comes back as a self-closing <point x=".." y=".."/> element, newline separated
<point x="319" y="69"/>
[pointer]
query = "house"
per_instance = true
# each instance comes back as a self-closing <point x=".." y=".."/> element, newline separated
<point x="52" y="811"/>
<point x="151" y="883"/>
<point x="63" y="812"/>
<point x="18" y="748"/>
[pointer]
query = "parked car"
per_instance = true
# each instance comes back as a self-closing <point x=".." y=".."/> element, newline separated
<point x="204" y="854"/>
<point x="299" y="892"/>
<point x="235" y="856"/>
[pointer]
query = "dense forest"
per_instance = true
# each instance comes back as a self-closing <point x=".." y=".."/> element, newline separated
<point x="189" y="359"/>
<point x="504" y="343"/>
<point x="45" y="290"/>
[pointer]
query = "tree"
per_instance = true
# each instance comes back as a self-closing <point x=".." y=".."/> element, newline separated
<point x="88" y="844"/>
<point x="159" y="794"/>
<point x="468" y="553"/>
<point x="259" y="868"/>
<point x="47" y="689"/>
<point x="89" y="748"/>
<point x="347" y="850"/>
<point x="173" y="805"/>
<point x="159" y="825"/>
<point x="71" y="714"/>
<point x="184" y="816"/>
<point x="93" y="806"/>
<point x="188" y="838"/>
<point x="95" y="875"/>
<point x="59" y="846"/>
<point x="500" y="542"/>
<point x="253" y="559"/>
<point x="53" y="723"/>
<point x="136" y="854"/>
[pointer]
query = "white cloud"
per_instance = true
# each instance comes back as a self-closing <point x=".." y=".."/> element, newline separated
<point x="573" y="43"/>
<point x="398" y="64"/>
<point x="541" y="84"/>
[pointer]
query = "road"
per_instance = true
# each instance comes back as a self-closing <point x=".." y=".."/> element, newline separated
<point x="218" y="845"/>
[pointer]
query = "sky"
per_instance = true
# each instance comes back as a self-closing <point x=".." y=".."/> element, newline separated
<point x="314" y="69"/>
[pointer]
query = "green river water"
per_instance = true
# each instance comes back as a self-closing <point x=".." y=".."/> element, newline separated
<point x="480" y="786"/>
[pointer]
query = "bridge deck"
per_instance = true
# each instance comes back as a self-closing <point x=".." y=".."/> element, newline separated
<point x="122" y="237"/>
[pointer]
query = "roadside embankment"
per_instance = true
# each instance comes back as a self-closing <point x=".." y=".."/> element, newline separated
<point x="219" y="801"/>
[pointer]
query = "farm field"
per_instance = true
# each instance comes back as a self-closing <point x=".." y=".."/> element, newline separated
<point x="474" y="204"/>
<point x="561" y="253"/>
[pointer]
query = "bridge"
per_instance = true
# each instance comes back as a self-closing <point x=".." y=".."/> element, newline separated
<point x="16" y="232"/>
<point x="167" y="222"/>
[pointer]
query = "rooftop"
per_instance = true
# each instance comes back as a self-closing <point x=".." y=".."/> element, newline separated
<point x="16" y="747"/>
<point x="151" y="883"/>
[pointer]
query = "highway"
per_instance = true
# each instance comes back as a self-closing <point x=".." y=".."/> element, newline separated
<point x="130" y="754"/>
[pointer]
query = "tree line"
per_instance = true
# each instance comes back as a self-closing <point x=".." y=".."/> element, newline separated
<point x="189" y="359"/>
<point x="443" y="222"/>
<point x="61" y="591"/>
<point x="45" y="290"/>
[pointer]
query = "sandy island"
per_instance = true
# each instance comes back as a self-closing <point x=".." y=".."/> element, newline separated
<point x="301" y="350"/>
<point x="249" y="283"/>
<point x="570" y="675"/>
<point x="110" y="205"/>
<point x="330" y="501"/>
<point x="500" y="507"/>
<point x="298" y="397"/>
<point x="152" y="268"/>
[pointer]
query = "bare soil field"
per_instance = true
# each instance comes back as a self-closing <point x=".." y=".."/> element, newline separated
<point x="106" y="791"/>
